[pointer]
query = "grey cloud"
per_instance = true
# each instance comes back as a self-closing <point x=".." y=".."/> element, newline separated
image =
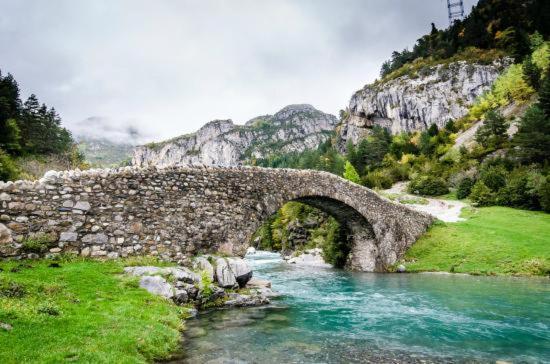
<point x="167" y="67"/>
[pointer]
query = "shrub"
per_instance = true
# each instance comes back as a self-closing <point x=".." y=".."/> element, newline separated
<point x="351" y="174"/>
<point x="481" y="195"/>
<point x="48" y="308"/>
<point x="37" y="244"/>
<point x="11" y="289"/>
<point x="8" y="169"/>
<point x="428" y="186"/>
<point x="494" y="178"/>
<point x="335" y="247"/>
<point x="522" y="189"/>
<point x="544" y="195"/>
<point x="377" y="179"/>
<point x="464" y="188"/>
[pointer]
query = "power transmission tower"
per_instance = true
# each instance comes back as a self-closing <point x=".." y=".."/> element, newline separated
<point x="456" y="10"/>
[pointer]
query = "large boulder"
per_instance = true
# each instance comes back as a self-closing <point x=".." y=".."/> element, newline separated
<point x="224" y="274"/>
<point x="202" y="264"/>
<point x="241" y="270"/>
<point x="182" y="274"/>
<point x="142" y="271"/>
<point x="157" y="286"/>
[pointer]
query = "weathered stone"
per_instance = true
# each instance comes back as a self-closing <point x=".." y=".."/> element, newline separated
<point x="157" y="286"/>
<point x="95" y="238"/>
<point x="68" y="236"/>
<point x="141" y="271"/>
<point x="241" y="270"/>
<point x="5" y="235"/>
<point x="224" y="274"/>
<point x="401" y="268"/>
<point x="258" y="283"/>
<point x="202" y="264"/>
<point x="180" y="297"/>
<point x="5" y="197"/>
<point x="182" y="274"/>
<point x="82" y="205"/>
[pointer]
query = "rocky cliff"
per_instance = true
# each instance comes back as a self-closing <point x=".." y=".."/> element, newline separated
<point x="220" y="142"/>
<point x="433" y="95"/>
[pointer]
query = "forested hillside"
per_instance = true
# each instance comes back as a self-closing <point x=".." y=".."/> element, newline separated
<point x="503" y="25"/>
<point x="32" y="139"/>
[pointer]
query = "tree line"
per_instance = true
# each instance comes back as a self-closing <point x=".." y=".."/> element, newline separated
<point x="492" y="24"/>
<point x="29" y="129"/>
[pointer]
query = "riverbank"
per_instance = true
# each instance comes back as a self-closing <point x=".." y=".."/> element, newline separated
<point x="82" y="311"/>
<point x="128" y="310"/>
<point x="489" y="241"/>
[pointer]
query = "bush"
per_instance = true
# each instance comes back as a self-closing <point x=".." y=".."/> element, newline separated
<point x="8" y="169"/>
<point x="335" y="246"/>
<point x="38" y="244"/>
<point x="351" y="174"/>
<point x="544" y="195"/>
<point x="494" y="178"/>
<point x="481" y="195"/>
<point x="428" y="186"/>
<point x="377" y="179"/>
<point x="522" y="189"/>
<point x="464" y="188"/>
<point x="11" y="289"/>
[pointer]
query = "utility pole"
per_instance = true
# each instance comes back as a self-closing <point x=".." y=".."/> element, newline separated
<point x="456" y="10"/>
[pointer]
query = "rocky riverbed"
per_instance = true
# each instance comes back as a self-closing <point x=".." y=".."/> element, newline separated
<point x="208" y="282"/>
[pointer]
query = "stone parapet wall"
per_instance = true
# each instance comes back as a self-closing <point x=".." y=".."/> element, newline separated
<point x="177" y="212"/>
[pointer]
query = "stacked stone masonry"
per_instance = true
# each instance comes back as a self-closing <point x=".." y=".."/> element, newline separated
<point x="178" y="212"/>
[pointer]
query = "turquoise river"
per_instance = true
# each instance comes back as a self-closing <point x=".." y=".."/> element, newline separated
<point x="333" y="316"/>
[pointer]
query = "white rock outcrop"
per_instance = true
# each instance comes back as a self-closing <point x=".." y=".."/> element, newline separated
<point x="410" y="103"/>
<point x="220" y="142"/>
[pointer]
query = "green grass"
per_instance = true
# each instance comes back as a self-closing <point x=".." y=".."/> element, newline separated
<point x="492" y="240"/>
<point x="83" y="311"/>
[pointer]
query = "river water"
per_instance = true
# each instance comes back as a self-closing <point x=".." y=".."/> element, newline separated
<point x="333" y="316"/>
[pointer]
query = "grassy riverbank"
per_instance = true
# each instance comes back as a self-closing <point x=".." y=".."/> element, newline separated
<point x="492" y="240"/>
<point x="82" y="311"/>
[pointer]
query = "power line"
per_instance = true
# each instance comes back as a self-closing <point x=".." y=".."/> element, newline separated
<point x="456" y="10"/>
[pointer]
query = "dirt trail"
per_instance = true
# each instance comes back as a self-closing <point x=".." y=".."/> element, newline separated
<point x="445" y="210"/>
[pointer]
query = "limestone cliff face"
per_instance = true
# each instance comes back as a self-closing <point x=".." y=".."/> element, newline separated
<point x="220" y="142"/>
<point x="408" y="103"/>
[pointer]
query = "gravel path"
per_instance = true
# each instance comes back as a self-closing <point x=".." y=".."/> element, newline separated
<point x="444" y="210"/>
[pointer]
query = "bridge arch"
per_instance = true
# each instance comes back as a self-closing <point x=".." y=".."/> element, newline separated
<point x="180" y="211"/>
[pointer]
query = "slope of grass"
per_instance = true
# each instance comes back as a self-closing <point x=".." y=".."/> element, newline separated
<point x="83" y="311"/>
<point x="492" y="240"/>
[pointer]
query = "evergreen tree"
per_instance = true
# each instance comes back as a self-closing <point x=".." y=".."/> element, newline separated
<point x="544" y="95"/>
<point x="492" y="134"/>
<point x="533" y="136"/>
<point x="531" y="73"/>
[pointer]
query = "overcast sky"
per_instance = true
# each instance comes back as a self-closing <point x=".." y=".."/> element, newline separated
<point x="167" y="67"/>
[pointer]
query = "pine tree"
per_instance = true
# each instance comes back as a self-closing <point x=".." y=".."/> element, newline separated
<point x="492" y="134"/>
<point x="531" y="73"/>
<point x="544" y="95"/>
<point x="533" y="136"/>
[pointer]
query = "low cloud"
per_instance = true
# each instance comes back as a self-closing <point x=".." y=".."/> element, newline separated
<point x="167" y="67"/>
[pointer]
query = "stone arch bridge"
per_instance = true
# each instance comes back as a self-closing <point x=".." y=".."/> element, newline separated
<point x="180" y="211"/>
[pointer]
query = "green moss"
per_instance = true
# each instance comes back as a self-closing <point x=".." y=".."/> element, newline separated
<point x="492" y="240"/>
